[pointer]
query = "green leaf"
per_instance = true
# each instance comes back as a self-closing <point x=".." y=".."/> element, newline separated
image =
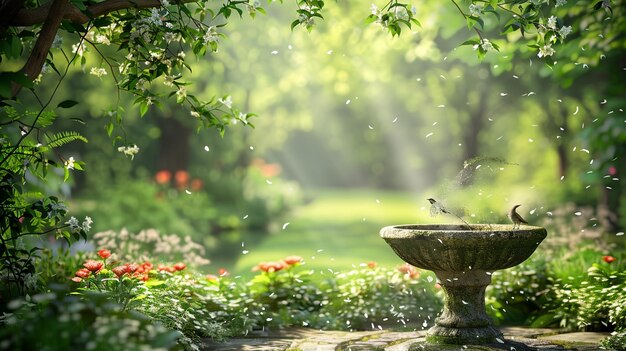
<point x="67" y="104"/>
<point x="143" y="109"/>
<point x="371" y="19"/>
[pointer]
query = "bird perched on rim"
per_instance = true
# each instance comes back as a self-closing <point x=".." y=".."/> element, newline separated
<point x="516" y="218"/>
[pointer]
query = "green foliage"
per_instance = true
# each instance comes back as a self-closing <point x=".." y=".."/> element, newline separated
<point x="617" y="341"/>
<point x="25" y="211"/>
<point x="54" y="321"/>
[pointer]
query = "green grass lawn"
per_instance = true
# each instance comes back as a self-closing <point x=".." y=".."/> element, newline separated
<point x="338" y="230"/>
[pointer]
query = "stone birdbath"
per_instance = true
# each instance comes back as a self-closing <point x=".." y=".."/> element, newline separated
<point x="463" y="261"/>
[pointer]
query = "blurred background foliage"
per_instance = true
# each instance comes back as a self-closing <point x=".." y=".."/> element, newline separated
<point x="346" y="112"/>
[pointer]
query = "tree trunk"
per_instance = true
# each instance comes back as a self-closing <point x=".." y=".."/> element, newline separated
<point x="174" y="145"/>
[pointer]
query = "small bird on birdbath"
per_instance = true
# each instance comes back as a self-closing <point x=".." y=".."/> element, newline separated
<point x="516" y="218"/>
<point x="437" y="208"/>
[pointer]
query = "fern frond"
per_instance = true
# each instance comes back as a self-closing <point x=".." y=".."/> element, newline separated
<point x="62" y="138"/>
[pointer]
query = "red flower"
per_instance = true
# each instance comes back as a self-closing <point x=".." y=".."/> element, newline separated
<point x="77" y="279"/>
<point x="222" y="272"/>
<point x="163" y="176"/>
<point x="93" y="265"/>
<point x="147" y="266"/>
<point x="180" y="266"/>
<point x="182" y="178"/>
<point x="132" y="267"/>
<point x="612" y="170"/>
<point x="437" y="286"/>
<point x="120" y="270"/>
<point x="104" y="253"/>
<point x="292" y="260"/>
<point x="372" y="264"/>
<point x="409" y="270"/>
<point x="608" y="259"/>
<point x="82" y="273"/>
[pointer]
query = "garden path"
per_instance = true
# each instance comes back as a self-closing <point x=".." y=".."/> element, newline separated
<point x="516" y="339"/>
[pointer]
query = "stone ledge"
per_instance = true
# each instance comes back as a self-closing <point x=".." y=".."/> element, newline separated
<point x="302" y="339"/>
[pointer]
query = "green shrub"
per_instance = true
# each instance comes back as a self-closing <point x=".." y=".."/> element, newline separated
<point x="617" y="341"/>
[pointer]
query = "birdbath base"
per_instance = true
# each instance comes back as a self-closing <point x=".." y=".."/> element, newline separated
<point x="463" y="319"/>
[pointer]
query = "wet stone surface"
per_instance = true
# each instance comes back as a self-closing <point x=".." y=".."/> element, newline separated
<point x="515" y="339"/>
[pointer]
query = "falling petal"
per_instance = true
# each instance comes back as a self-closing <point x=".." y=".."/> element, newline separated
<point x="516" y="77"/>
<point x="434" y="124"/>
<point x="429" y="134"/>
<point x="285" y="225"/>
<point x="348" y="102"/>
<point x="394" y="120"/>
<point x="442" y="77"/>
<point x="275" y="52"/>
<point x="329" y="52"/>
<point x="188" y="192"/>
<point x="576" y="112"/>
<point x="268" y="182"/>
<point x="251" y="147"/>
<point x="578" y="213"/>
<point x="245" y="252"/>
<point x="619" y="234"/>
<point x="504" y="94"/>
<point x="244" y="217"/>
<point x="441" y="106"/>
<point x="603" y="102"/>
<point x="530" y="140"/>
<point x="500" y="340"/>
<point x="532" y="211"/>
<point x="465" y="303"/>
<point x="206" y="148"/>
<point x="370" y="127"/>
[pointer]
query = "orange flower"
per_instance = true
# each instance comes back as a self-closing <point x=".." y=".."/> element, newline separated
<point x="292" y="260"/>
<point x="163" y="176"/>
<point x="181" y="178"/>
<point x="372" y="264"/>
<point x="270" y="267"/>
<point x="196" y="184"/>
<point x="222" y="272"/>
<point x="409" y="270"/>
<point x="93" y="265"/>
<point x="437" y="286"/>
<point x="82" y="273"/>
<point x="269" y="170"/>
<point x="120" y="270"/>
<point x="608" y="259"/>
<point x="104" y="253"/>
<point x="180" y="266"/>
<point x="77" y="279"/>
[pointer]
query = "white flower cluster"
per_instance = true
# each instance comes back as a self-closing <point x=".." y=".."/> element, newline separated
<point x="148" y="244"/>
<point x="98" y="71"/>
<point x="475" y="10"/>
<point x="484" y="44"/>
<point x="228" y="101"/>
<point x="75" y="226"/>
<point x="210" y="36"/>
<point x="129" y="150"/>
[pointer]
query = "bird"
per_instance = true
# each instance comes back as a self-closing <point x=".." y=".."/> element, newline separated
<point x="516" y="218"/>
<point x="437" y="208"/>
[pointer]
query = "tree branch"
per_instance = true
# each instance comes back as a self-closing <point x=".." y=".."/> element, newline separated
<point x="38" y="55"/>
<point x="29" y="17"/>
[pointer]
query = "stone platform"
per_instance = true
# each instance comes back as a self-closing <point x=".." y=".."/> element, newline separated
<point x="515" y="339"/>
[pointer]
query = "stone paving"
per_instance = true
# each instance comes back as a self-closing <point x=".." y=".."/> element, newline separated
<point x="515" y="339"/>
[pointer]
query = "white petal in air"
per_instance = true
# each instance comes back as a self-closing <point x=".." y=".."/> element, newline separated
<point x="206" y="148"/>
<point x="285" y="225"/>
<point x="429" y="134"/>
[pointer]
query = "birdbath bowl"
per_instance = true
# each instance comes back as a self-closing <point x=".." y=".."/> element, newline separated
<point x="463" y="261"/>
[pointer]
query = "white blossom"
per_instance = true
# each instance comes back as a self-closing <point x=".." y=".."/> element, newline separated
<point x="165" y="3"/>
<point x="375" y="10"/>
<point x="560" y="3"/>
<point x="475" y="10"/>
<point x="129" y="150"/>
<point x="195" y="114"/>
<point x="211" y="35"/>
<point x="102" y="39"/>
<point x="552" y="22"/>
<point x="87" y="224"/>
<point x="485" y="44"/>
<point x="401" y="12"/>
<point x="73" y="223"/>
<point x="69" y="163"/>
<point x="564" y="31"/>
<point x="98" y="71"/>
<point x="546" y="51"/>
<point x="228" y="102"/>
<point x="181" y="93"/>
<point x="57" y="42"/>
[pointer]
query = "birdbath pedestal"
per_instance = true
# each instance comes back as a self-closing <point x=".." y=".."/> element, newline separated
<point x="463" y="261"/>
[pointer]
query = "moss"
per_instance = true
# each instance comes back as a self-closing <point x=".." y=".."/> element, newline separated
<point x="455" y="340"/>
